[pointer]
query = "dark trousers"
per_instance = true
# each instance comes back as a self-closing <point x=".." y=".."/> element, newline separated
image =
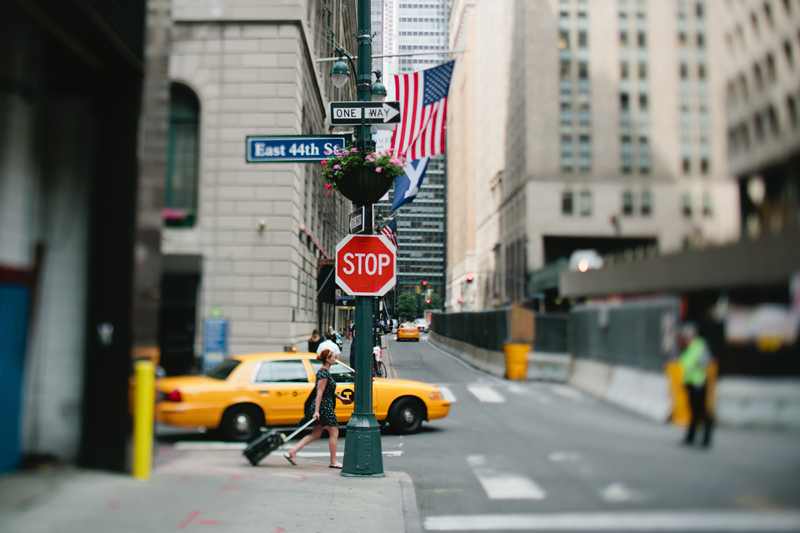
<point x="697" y="403"/>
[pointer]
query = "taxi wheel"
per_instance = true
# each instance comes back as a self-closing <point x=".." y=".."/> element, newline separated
<point x="405" y="416"/>
<point x="241" y="423"/>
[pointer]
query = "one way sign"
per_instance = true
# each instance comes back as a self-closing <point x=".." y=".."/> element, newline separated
<point x="349" y="113"/>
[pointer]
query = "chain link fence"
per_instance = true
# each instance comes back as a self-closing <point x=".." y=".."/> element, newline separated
<point x="636" y="334"/>
<point x="486" y="329"/>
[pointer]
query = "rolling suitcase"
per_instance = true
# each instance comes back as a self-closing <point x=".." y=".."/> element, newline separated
<point x="269" y="442"/>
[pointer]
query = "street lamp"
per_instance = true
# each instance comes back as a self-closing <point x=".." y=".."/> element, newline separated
<point x="378" y="88"/>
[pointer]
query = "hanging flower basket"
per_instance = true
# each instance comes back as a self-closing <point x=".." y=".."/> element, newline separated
<point x="362" y="180"/>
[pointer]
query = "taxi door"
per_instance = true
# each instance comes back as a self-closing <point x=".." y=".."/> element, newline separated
<point x="345" y="385"/>
<point x="281" y="387"/>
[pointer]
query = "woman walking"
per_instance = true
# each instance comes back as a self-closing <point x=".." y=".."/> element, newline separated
<point x="322" y="410"/>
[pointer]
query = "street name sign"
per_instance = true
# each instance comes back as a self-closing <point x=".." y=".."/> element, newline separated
<point x="292" y="148"/>
<point x="362" y="220"/>
<point x="365" y="265"/>
<point x="349" y="113"/>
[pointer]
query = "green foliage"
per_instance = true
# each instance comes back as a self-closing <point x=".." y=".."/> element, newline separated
<point x="406" y="306"/>
<point x="436" y="302"/>
<point x="343" y="162"/>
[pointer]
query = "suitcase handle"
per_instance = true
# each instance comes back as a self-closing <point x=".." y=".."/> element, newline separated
<point x="301" y="428"/>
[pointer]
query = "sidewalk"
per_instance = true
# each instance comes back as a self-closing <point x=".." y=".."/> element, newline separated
<point x="207" y="490"/>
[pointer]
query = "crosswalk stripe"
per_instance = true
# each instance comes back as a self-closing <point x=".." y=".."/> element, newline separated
<point x="447" y="394"/>
<point x="486" y="394"/>
<point x="675" y="521"/>
<point x="502" y="486"/>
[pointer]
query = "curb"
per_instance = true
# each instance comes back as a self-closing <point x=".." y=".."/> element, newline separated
<point x="410" y="509"/>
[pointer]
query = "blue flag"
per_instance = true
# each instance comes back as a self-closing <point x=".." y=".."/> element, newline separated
<point x="407" y="186"/>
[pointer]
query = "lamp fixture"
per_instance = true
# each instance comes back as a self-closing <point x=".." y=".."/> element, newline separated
<point x="378" y="88"/>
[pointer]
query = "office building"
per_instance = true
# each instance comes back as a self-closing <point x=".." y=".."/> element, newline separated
<point x="606" y="132"/>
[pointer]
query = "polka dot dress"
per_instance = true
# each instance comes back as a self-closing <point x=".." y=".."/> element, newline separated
<point x="327" y="415"/>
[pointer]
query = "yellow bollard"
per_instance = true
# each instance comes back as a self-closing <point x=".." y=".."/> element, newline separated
<point x="143" y="420"/>
<point x="516" y="360"/>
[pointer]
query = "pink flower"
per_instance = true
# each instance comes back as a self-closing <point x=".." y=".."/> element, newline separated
<point x="394" y="161"/>
<point x="378" y="170"/>
<point x="346" y="152"/>
<point x="328" y="186"/>
<point x="322" y="163"/>
<point x="353" y="150"/>
<point x="330" y="192"/>
<point x="336" y="167"/>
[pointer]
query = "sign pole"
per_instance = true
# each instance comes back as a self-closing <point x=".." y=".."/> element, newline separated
<point x="362" y="448"/>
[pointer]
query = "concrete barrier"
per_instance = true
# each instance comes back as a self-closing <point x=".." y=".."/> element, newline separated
<point x="646" y="393"/>
<point x="487" y="360"/>
<point x="549" y="366"/>
<point x="758" y="401"/>
<point x="591" y="377"/>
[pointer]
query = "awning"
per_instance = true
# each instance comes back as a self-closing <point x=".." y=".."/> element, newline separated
<point x="345" y="301"/>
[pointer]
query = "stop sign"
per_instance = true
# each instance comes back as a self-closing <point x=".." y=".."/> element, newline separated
<point x="365" y="265"/>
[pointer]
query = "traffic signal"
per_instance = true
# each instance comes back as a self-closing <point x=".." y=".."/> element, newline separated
<point x="428" y="300"/>
<point x="470" y="277"/>
<point x="424" y="283"/>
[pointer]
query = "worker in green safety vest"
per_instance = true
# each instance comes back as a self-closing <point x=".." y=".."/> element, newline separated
<point x="694" y="362"/>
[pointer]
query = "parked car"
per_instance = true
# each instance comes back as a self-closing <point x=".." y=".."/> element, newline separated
<point x="408" y="331"/>
<point x="422" y="324"/>
<point x="246" y="392"/>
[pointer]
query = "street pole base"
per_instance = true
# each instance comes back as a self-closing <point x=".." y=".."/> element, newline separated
<point x="363" y="456"/>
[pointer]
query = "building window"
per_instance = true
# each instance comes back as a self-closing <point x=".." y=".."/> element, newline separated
<point x="772" y="117"/>
<point x="647" y="204"/>
<point x="627" y="204"/>
<point x="583" y="71"/>
<point x="623" y="39"/>
<point x="706" y="205"/>
<point x="563" y="41"/>
<point x="183" y="156"/>
<point x="641" y="40"/>
<point x="642" y="71"/>
<point x="684" y="71"/>
<point x="566" y="74"/>
<point x="704" y="165"/>
<point x="623" y="71"/>
<point x="787" y="49"/>
<point x="687" y="165"/>
<point x="687" y="206"/>
<point x="642" y="102"/>
<point x="586" y="204"/>
<point x="701" y="72"/>
<point x="791" y="108"/>
<point x="582" y="39"/>
<point x="566" y="203"/>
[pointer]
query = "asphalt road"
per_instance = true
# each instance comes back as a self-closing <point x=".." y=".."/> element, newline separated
<point x="525" y="455"/>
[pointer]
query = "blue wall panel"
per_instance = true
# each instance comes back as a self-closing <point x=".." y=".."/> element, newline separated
<point x="14" y="302"/>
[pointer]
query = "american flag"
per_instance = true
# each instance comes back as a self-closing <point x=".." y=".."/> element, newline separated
<point x="423" y="104"/>
<point x="390" y="230"/>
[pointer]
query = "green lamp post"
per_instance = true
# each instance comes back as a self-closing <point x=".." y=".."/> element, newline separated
<point x="362" y="449"/>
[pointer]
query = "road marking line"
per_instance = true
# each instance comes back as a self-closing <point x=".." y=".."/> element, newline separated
<point x="486" y="394"/>
<point x="745" y="521"/>
<point x="391" y="361"/>
<point x="564" y="457"/>
<point x="447" y="394"/>
<point x="619" y="493"/>
<point x="500" y="486"/>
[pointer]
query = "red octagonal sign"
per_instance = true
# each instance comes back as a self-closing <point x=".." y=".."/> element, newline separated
<point x="365" y="265"/>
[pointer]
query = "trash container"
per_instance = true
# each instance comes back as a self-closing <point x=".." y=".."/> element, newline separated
<point x="516" y="360"/>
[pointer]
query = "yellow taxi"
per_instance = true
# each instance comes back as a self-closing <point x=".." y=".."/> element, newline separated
<point x="246" y="392"/>
<point x="408" y="331"/>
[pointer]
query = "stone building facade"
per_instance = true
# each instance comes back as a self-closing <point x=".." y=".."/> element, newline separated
<point x="601" y="126"/>
<point x="254" y="237"/>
